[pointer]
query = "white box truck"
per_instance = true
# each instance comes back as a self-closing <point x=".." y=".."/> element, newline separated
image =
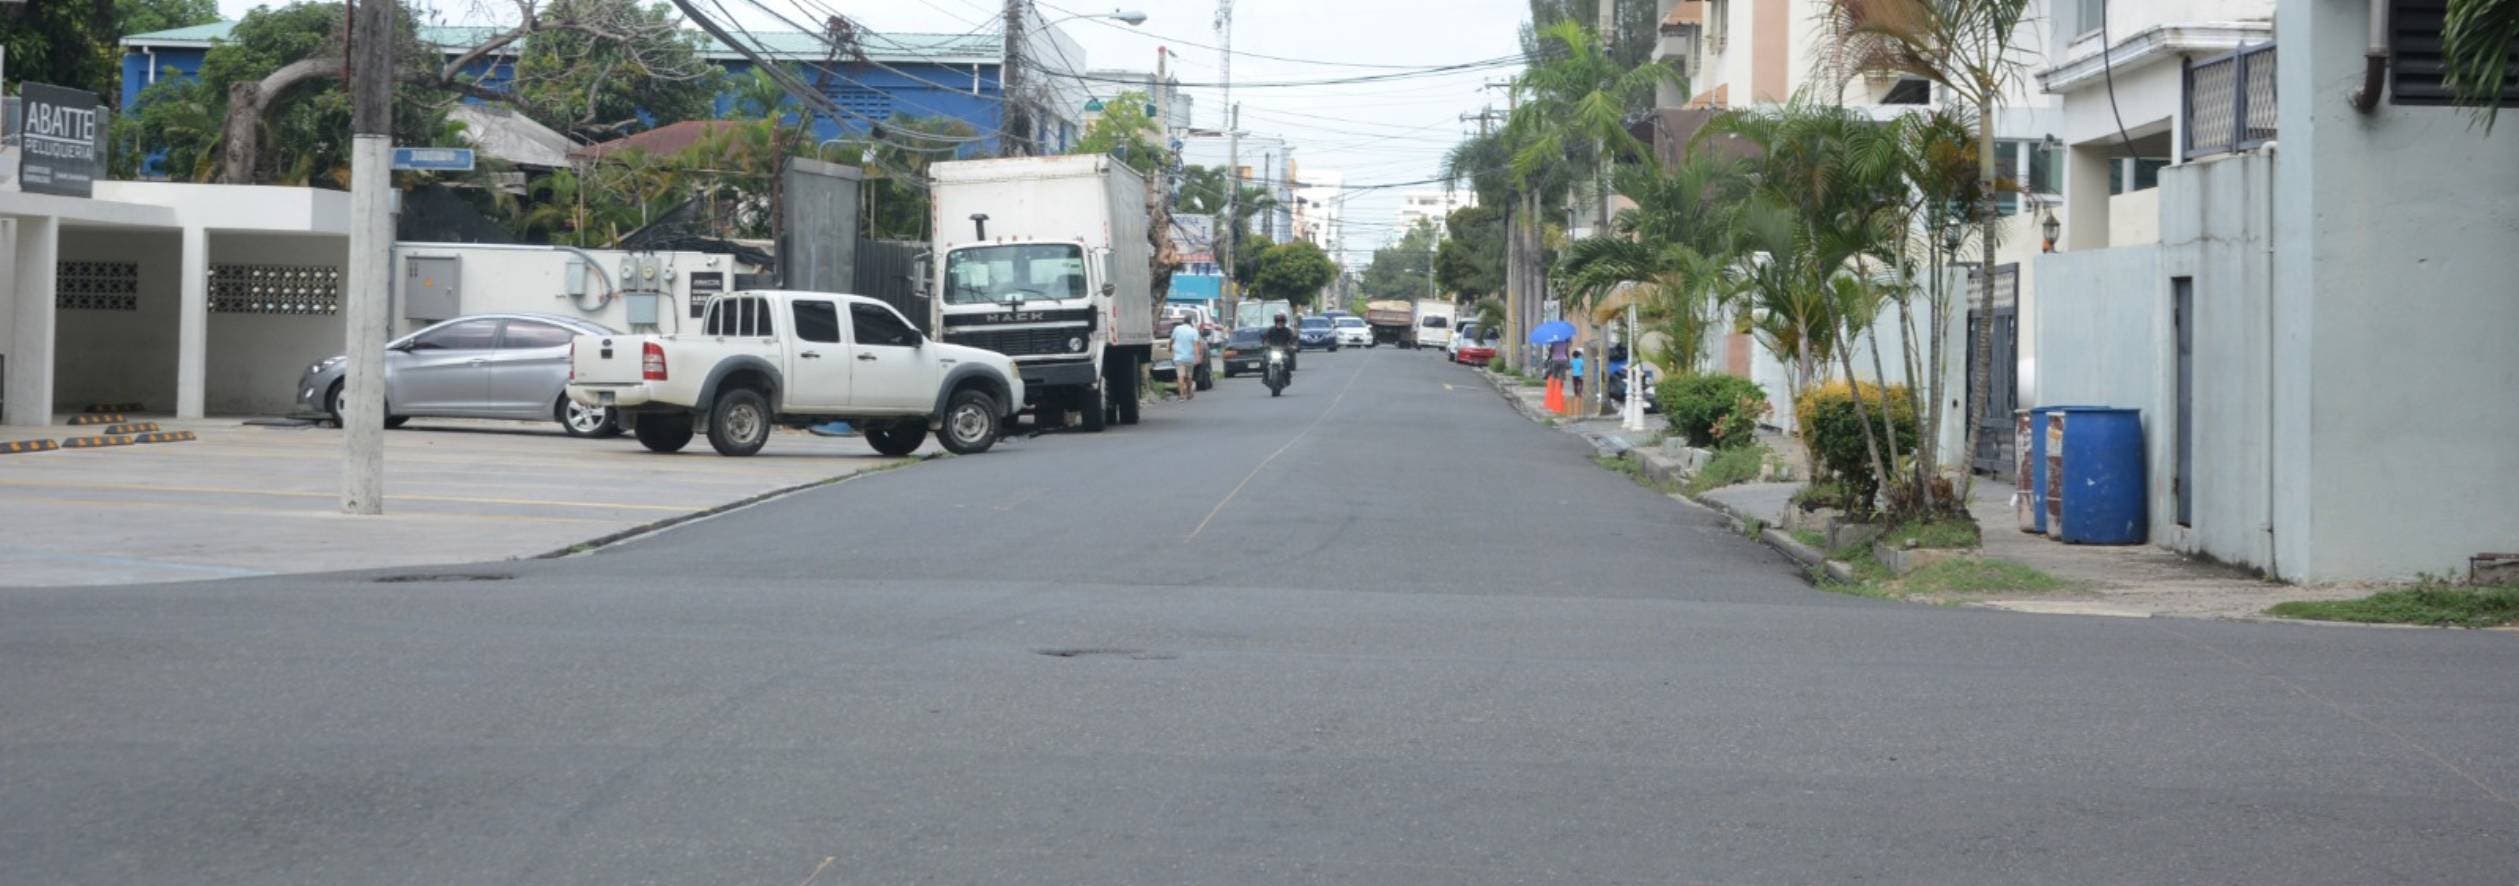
<point x="1047" y="260"/>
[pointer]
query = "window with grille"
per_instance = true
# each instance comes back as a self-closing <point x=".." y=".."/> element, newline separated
<point x="864" y="102"/>
<point x="2417" y="69"/>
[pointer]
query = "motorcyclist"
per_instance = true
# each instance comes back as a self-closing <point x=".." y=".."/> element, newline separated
<point x="1281" y="337"/>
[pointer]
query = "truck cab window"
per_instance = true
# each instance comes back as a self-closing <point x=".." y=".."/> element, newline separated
<point x="880" y="327"/>
<point x="1034" y="272"/>
<point x="817" y="321"/>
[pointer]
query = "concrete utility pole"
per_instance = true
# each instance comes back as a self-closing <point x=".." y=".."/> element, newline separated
<point x="1233" y="210"/>
<point x="371" y="251"/>
<point x="1018" y="129"/>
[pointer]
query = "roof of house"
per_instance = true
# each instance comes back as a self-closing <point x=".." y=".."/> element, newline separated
<point x="894" y="47"/>
<point x="513" y="137"/>
<point x="670" y="138"/>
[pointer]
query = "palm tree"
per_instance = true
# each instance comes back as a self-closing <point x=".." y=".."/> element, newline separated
<point x="1674" y="245"/>
<point x="1576" y="104"/>
<point x="1966" y="47"/>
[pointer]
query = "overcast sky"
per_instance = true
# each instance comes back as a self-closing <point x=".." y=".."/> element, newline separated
<point x="1370" y="133"/>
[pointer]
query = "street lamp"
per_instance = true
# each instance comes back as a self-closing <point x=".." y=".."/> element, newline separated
<point x="2051" y="228"/>
<point x="1129" y="17"/>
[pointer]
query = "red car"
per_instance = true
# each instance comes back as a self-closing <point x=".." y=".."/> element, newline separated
<point x="1476" y="353"/>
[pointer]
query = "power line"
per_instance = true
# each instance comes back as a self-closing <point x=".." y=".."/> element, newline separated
<point x="1242" y="53"/>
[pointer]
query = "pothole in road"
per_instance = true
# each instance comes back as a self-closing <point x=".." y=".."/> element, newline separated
<point x="1101" y="652"/>
<point x="423" y="577"/>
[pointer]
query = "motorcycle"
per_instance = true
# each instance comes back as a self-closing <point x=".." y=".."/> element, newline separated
<point x="1275" y="373"/>
<point x="1618" y="386"/>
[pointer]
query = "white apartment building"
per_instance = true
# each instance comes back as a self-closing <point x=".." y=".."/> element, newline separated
<point x="2308" y="299"/>
<point x="1319" y="206"/>
<point x="1432" y="206"/>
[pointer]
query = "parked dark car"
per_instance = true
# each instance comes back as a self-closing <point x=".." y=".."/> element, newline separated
<point x="1317" y="332"/>
<point x="1243" y="352"/>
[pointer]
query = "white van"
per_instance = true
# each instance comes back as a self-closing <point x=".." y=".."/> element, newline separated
<point x="1434" y="323"/>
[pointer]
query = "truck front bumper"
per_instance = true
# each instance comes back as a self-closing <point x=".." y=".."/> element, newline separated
<point x="1039" y="376"/>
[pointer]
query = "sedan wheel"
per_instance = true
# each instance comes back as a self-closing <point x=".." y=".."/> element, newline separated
<point x="587" y="421"/>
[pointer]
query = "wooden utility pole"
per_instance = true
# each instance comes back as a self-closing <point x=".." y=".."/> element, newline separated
<point x="1017" y="133"/>
<point x="364" y="291"/>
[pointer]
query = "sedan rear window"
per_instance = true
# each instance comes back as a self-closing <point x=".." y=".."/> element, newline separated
<point x="1248" y="336"/>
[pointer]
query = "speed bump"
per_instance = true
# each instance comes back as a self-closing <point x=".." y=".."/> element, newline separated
<point x="94" y="442"/>
<point x="98" y="418"/>
<point x="137" y="427"/>
<point x="113" y="407"/>
<point x="163" y="437"/>
<point x="17" y="446"/>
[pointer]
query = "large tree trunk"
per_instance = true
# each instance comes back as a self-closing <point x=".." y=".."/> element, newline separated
<point x="247" y="102"/>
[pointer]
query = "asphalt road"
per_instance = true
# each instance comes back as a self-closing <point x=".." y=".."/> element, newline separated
<point x="1381" y="630"/>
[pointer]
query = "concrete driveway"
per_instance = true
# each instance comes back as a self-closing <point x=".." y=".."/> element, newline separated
<point x="251" y="500"/>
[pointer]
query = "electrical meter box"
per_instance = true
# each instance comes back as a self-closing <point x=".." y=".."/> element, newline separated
<point x="432" y="287"/>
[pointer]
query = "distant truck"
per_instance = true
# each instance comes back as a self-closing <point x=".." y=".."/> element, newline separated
<point x="764" y="358"/>
<point x="1393" y="321"/>
<point x="1258" y="314"/>
<point x="1047" y="260"/>
<point x="1434" y="322"/>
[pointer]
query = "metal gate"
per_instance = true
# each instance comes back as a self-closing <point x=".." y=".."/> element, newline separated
<point x="890" y="271"/>
<point x="2183" y="316"/>
<point x="1995" y="447"/>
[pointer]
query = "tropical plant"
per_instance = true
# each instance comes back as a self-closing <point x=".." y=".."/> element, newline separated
<point x="1404" y="269"/>
<point x="602" y="68"/>
<point x="1968" y="48"/>
<point x="1125" y="131"/>
<point x="2479" y="43"/>
<point x="1834" y="427"/>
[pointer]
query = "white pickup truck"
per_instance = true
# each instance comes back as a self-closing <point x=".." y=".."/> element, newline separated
<point x="764" y="358"/>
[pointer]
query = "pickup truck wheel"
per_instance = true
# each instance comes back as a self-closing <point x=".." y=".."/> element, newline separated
<point x="970" y="423"/>
<point x="663" y="433"/>
<point x="897" y="440"/>
<point x="586" y="421"/>
<point x="739" y="422"/>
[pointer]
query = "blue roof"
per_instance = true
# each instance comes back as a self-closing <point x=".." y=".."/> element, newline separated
<point x="981" y="47"/>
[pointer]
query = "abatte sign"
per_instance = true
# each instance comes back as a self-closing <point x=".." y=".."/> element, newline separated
<point x="60" y="140"/>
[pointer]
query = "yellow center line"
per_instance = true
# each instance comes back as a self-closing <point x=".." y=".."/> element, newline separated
<point x="456" y="499"/>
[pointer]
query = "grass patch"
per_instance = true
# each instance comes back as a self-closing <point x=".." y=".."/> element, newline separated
<point x="1946" y="533"/>
<point x="1753" y="527"/>
<point x="1620" y="464"/>
<point x="1812" y="538"/>
<point x="1824" y="494"/>
<point x="2439" y="605"/>
<point x="1973" y="575"/>
<point x="1730" y="466"/>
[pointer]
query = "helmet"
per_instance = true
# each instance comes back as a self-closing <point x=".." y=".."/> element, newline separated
<point x="1281" y="318"/>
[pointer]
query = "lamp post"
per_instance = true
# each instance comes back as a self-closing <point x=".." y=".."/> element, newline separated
<point x="2051" y="228"/>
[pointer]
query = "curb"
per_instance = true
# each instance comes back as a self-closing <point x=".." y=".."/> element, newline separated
<point x="94" y="442"/>
<point x="17" y="446"/>
<point x="609" y="539"/>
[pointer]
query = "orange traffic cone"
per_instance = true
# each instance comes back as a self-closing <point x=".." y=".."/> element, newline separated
<point x="1556" y="401"/>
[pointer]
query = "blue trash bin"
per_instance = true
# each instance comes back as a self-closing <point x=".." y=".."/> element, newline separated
<point x="2103" y="495"/>
<point x="2036" y="446"/>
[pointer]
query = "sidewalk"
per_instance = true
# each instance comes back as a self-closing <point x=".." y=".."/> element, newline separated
<point x="2130" y="581"/>
<point x="251" y="500"/>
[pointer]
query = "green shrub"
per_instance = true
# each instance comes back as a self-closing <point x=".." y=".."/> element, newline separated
<point x="1713" y="411"/>
<point x="1834" y="431"/>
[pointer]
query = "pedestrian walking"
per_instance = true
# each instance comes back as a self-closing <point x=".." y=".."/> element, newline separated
<point x="1574" y="366"/>
<point x="1185" y="359"/>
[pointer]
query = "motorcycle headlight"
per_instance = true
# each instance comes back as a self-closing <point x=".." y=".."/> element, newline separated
<point x="1076" y="344"/>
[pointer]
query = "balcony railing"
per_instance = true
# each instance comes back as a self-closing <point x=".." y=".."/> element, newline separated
<point x="2230" y="101"/>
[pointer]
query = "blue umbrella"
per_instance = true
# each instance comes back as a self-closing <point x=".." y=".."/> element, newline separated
<point x="1552" y="332"/>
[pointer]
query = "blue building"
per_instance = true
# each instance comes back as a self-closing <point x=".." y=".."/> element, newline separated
<point x="916" y="75"/>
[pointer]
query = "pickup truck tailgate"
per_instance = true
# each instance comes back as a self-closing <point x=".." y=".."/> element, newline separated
<point x="606" y="359"/>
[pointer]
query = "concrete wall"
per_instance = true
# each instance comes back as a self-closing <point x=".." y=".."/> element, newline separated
<point x="121" y="356"/>
<point x="2097" y="322"/>
<point x="2215" y="220"/>
<point x="255" y="359"/>
<point x="2134" y="218"/>
<point x="2395" y="267"/>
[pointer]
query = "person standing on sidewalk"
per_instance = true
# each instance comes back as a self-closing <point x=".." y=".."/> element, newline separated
<point x="1574" y="366"/>
<point x="1185" y="359"/>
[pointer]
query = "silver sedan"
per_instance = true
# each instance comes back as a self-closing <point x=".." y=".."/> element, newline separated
<point x="513" y="366"/>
